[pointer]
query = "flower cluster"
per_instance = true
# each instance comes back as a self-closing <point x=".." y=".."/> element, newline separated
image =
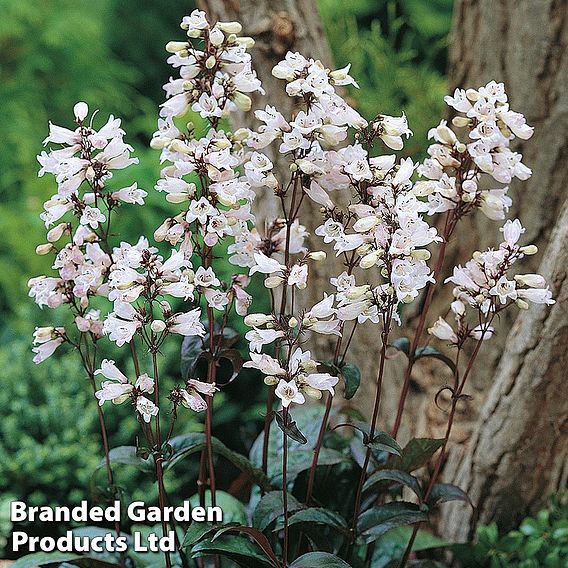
<point x="454" y="168"/>
<point x="81" y="166"/>
<point x="484" y="287"/>
<point x="215" y="75"/>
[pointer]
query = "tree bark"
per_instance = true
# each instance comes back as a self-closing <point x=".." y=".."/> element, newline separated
<point x="519" y="453"/>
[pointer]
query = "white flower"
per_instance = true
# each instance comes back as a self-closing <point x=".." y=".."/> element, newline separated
<point x="482" y="332"/>
<point x="205" y="277"/>
<point x="288" y="392"/>
<point x="298" y="276"/>
<point x="115" y="392"/>
<point x="265" y="364"/>
<point x="131" y="194"/>
<point x="322" y="381"/>
<point x="46" y="349"/>
<point x="187" y="324"/>
<point x="144" y="383"/>
<point x="443" y="330"/>
<point x="265" y="265"/>
<point x="146" y="408"/>
<point x="92" y="216"/>
<point x="109" y="370"/>
<point x="257" y="338"/>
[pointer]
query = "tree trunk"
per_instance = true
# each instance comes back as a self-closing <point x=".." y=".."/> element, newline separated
<point x="294" y="25"/>
<point x="519" y="454"/>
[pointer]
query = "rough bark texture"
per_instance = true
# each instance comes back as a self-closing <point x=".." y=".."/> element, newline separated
<point x="519" y="453"/>
<point x="278" y="27"/>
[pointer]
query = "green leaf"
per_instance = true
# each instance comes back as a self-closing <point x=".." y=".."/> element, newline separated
<point x="396" y="475"/>
<point x="444" y="492"/>
<point x="270" y="507"/>
<point x="384" y="442"/>
<point x="238" y="548"/>
<point x="256" y="535"/>
<point x="379" y="520"/>
<point x="301" y="460"/>
<point x="128" y="455"/>
<point x="196" y="532"/>
<point x="192" y="348"/>
<point x="233" y="509"/>
<point x="320" y="516"/>
<point x="308" y="419"/>
<point x="319" y="560"/>
<point x="428" y="351"/>
<point x="392" y="545"/>
<point x="289" y="427"/>
<point x="352" y="376"/>
<point x="44" y="558"/>
<point x="188" y="444"/>
<point x="402" y="344"/>
<point x="417" y="453"/>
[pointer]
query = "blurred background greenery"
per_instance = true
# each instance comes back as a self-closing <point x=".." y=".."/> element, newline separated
<point x="110" y="54"/>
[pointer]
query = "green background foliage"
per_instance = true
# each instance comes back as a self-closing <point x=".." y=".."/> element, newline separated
<point x="110" y="54"/>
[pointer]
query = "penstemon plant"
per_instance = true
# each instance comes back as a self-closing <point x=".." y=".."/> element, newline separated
<point x="333" y="503"/>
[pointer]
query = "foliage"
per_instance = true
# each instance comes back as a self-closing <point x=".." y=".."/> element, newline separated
<point x="397" y="50"/>
<point x="538" y="542"/>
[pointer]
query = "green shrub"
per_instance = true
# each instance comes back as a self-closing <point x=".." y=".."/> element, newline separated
<point x="539" y="542"/>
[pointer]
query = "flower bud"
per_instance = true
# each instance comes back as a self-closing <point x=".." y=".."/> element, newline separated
<point x="461" y="121"/>
<point x="273" y="281"/>
<point x="357" y="292"/>
<point x="44" y="249"/>
<point x="56" y="233"/>
<point x="210" y="62"/>
<point x="246" y="42"/>
<point x="292" y="323"/>
<point x="216" y="36"/>
<point x="317" y="256"/>
<point x="461" y="147"/>
<point x="157" y="326"/>
<point x="312" y="392"/>
<point x="472" y="95"/>
<point x="255" y="320"/>
<point x="241" y="134"/>
<point x="370" y="260"/>
<point x="81" y="110"/>
<point x="179" y="146"/>
<point x="176" y="46"/>
<point x="421" y="254"/>
<point x="270" y="381"/>
<point x="531" y="280"/>
<point x="194" y="33"/>
<point x="242" y="101"/>
<point x="177" y="197"/>
<point x="522" y="304"/>
<point x="529" y="250"/>
<point x="366" y="224"/>
<point x="230" y="27"/>
<point x="293" y="167"/>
